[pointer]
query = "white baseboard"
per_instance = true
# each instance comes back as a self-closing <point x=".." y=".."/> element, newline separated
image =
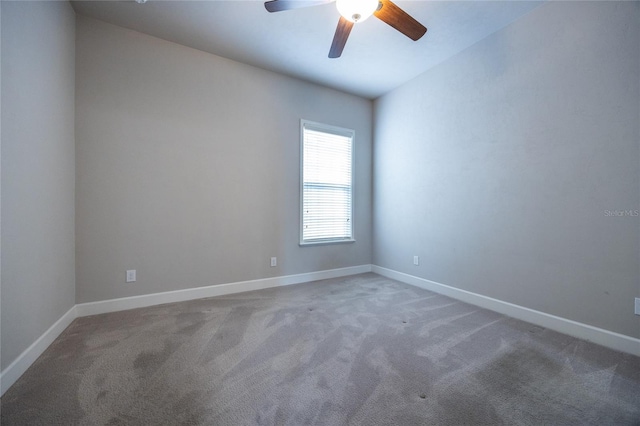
<point x="122" y="304"/>
<point x="17" y="368"/>
<point x="597" y="335"/>
<point x="610" y="339"/>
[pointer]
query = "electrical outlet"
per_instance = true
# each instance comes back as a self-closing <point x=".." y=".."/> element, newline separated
<point x="131" y="275"/>
<point x="637" y="310"/>
<point x="416" y="260"/>
<point x="274" y="261"/>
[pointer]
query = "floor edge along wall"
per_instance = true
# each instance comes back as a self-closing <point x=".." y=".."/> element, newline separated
<point x="596" y="335"/>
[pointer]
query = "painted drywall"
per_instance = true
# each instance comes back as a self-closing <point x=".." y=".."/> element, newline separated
<point x="38" y="170"/>
<point x="0" y="195"/>
<point x="188" y="167"/>
<point x="513" y="170"/>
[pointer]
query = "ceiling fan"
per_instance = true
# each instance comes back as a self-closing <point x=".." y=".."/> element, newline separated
<point x="353" y="11"/>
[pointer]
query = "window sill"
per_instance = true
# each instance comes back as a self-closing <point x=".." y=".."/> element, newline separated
<point x="325" y="242"/>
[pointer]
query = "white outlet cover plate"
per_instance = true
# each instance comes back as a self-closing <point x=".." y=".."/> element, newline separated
<point x="637" y="310"/>
<point x="131" y="275"/>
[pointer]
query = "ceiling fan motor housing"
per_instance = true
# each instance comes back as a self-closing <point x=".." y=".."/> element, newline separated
<point x="357" y="10"/>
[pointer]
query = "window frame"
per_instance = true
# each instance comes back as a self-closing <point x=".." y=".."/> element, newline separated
<point x="335" y="130"/>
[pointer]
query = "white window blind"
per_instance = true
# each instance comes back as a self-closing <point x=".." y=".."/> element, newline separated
<point x="326" y="183"/>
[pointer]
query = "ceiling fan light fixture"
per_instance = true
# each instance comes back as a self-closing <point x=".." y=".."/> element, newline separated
<point x="356" y="10"/>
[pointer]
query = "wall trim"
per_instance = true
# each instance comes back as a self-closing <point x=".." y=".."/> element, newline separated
<point x="596" y="335"/>
<point x="17" y="368"/>
<point x="610" y="339"/>
<point x="122" y="304"/>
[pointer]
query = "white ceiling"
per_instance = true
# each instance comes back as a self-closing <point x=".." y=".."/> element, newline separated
<point x="376" y="58"/>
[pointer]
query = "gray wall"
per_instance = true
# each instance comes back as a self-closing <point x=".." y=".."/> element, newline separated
<point x="38" y="171"/>
<point x="188" y="167"/>
<point x="498" y="166"/>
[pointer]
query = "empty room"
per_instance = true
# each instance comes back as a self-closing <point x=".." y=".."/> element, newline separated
<point x="322" y="212"/>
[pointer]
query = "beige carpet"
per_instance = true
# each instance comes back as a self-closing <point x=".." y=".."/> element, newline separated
<point x="361" y="350"/>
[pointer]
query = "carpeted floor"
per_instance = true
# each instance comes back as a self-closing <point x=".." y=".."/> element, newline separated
<point x="361" y="350"/>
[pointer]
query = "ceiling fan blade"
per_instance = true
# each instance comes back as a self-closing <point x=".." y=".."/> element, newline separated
<point x="280" y="5"/>
<point x="340" y="37"/>
<point x="400" y="20"/>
